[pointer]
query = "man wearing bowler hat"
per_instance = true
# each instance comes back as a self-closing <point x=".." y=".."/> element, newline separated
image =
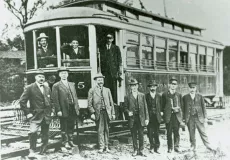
<point x="45" y="52"/>
<point x="39" y="113"/>
<point x="153" y="100"/>
<point x="195" y="116"/>
<point x="65" y="101"/>
<point x="172" y="113"/>
<point x="111" y="63"/>
<point x="100" y="105"/>
<point x="136" y="107"/>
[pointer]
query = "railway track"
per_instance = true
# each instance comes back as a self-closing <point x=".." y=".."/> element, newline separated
<point x="118" y="128"/>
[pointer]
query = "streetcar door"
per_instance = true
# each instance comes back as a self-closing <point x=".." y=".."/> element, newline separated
<point x="102" y="56"/>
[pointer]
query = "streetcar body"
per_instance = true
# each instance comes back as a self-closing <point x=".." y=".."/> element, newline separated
<point x="152" y="47"/>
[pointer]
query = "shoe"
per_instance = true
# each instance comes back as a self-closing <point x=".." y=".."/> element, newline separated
<point x="170" y="151"/>
<point x="142" y="154"/>
<point x="32" y="154"/>
<point x="151" y="150"/>
<point x="67" y="146"/>
<point x="43" y="149"/>
<point x="135" y="153"/>
<point x="107" y="150"/>
<point x="157" y="151"/>
<point x="101" y="150"/>
<point x="177" y="150"/>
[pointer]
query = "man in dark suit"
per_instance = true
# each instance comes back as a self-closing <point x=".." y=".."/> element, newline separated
<point x="153" y="100"/>
<point x="136" y="107"/>
<point x="100" y="105"/>
<point x="73" y="50"/>
<point x="39" y="113"/>
<point x="111" y="65"/>
<point x="64" y="98"/>
<point x="195" y="116"/>
<point x="45" y="53"/>
<point x="172" y="113"/>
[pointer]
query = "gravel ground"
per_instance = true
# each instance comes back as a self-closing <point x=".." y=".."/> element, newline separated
<point x="218" y="136"/>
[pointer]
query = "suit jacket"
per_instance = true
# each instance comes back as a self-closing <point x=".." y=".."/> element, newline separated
<point x="44" y="58"/>
<point x="72" y="54"/>
<point x="111" y="60"/>
<point x="158" y="105"/>
<point x="40" y="104"/>
<point x="129" y="106"/>
<point x="60" y="98"/>
<point x="199" y="105"/>
<point x="167" y="106"/>
<point x="94" y="101"/>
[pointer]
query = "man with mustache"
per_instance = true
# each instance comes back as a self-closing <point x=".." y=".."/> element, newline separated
<point x="39" y="113"/>
<point x="65" y="101"/>
<point x="195" y="116"/>
<point x="101" y="107"/>
<point x="153" y="100"/>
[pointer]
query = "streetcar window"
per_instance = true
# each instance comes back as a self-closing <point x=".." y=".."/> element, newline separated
<point x="183" y="55"/>
<point x="156" y="22"/>
<point x="146" y="19"/>
<point x="202" y="52"/>
<point x="173" y="49"/>
<point x="218" y="52"/>
<point x="210" y="59"/>
<point x="147" y="51"/>
<point x="74" y="46"/>
<point x="46" y="48"/>
<point x="132" y="54"/>
<point x="160" y="53"/>
<point x="193" y="56"/>
<point x="186" y="30"/>
<point x="29" y="50"/>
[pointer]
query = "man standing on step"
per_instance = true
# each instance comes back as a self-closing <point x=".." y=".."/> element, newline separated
<point x="101" y="107"/>
<point x="39" y="113"/>
<point x="172" y="113"/>
<point x="65" y="101"/>
<point x="195" y="116"/>
<point x="153" y="100"/>
<point x="136" y="107"/>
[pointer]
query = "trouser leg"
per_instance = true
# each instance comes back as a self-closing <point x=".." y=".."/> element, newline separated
<point x="141" y="138"/>
<point x="176" y="127"/>
<point x="106" y="128"/>
<point x="63" y="124"/>
<point x="156" y="127"/>
<point x="150" y="134"/>
<point x="169" y="134"/>
<point x="202" y="131"/>
<point x="100" y="131"/>
<point x="192" y="132"/>
<point x="33" y="135"/>
<point x="45" y="132"/>
<point x="134" y="136"/>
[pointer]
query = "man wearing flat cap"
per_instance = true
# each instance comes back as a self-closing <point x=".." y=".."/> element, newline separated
<point x="65" y="101"/>
<point x="172" y="114"/>
<point x="195" y="116"/>
<point x="101" y="107"/>
<point x="136" y="107"/>
<point x="45" y="52"/>
<point x="39" y="113"/>
<point x="153" y="100"/>
<point x="111" y="64"/>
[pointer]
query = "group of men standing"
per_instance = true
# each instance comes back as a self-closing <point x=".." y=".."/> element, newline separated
<point x="171" y="108"/>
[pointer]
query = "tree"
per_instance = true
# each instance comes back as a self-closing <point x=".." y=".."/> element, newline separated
<point x="23" y="10"/>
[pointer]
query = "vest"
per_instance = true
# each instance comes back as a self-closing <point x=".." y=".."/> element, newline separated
<point x="153" y="104"/>
<point x="136" y="107"/>
<point x="193" y="109"/>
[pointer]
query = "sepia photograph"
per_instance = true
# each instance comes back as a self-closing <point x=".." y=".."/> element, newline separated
<point x="115" y="79"/>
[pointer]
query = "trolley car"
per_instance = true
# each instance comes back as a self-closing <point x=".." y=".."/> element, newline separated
<point x="152" y="47"/>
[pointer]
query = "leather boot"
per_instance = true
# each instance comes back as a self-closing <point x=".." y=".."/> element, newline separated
<point x="44" y="146"/>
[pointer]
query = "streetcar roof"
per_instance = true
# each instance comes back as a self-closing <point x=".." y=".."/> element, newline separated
<point x="123" y="6"/>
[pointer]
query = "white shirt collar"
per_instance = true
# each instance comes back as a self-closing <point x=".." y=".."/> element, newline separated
<point x="192" y="95"/>
<point x="172" y="91"/>
<point x="153" y="94"/>
<point x="76" y="50"/>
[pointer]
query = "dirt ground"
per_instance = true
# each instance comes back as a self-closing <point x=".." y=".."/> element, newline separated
<point x="218" y="135"/>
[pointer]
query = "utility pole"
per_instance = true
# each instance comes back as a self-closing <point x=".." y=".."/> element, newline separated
<point x="165" y="11"/>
